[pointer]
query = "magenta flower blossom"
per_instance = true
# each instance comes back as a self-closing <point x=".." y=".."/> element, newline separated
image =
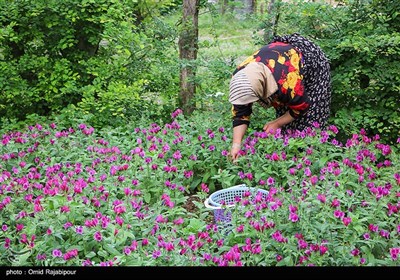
<point x="394" y="252"/>
<point x="373" y="228"/>
<point x="156" y="254"/>
<point x="19" y="227"/>
<point x="355" y="252"/>
<point x="262" y="182"/>
<point x="70" y="254"/>
<point x="240" y="228"/>
<point x="335" y="203"/>
<point x="277" y="235"/>
<point x="57" y="253"/>
<point x="97" y="236"/>
<point x="204" y="188"/>
<point x="321" y="197"/>
<point x="323" y="249"/>
<point x="314" y="180"/>
<point x="338" y="214"/>
<point x="346" y="221"/>
<point x="293" y="217"/>
<point x="176" y="113"/>
<point x="248" y="214"/>
<point x="127" y="250"/>
<point x="270" y="181"/>
<point x="384" y="233"/>
<point x="302" y="244"/>
<point x="177" y="155"/>
<point x="188" y="173"/>
<point x="64" y="209"/>
<point x="79" y="229"/>
<point x="249" y="176"/>
<point x="41" y="257"/>
<point x="67" y="225"/>
<point x="292" y="208"/>
<point x="178" y="221"/>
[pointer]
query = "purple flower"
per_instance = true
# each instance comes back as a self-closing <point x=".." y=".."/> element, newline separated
<point x="323" y="249"/>
<point x="79" y="230"/>
<point x="41" y="257"/>
<point x="373" y="228"/>
<point x="321" y="197"/>
<point x="394" y="252"/>
<point x="270" y="181"/>
<point x="178" y="221"/>
<point x="346" y="221"/>
<point x="97" y="236"/>
<point x="204" y="188"/>
<point x="19" y="227"/>
<point x="57" y="253"/>
<point x="87" y="262"/>
<point x="156" y="254"/>
<point x="248" y="214"/>
<point x="127" y="250"/>
<point x="338" y="214"/>
<point x="293" y="217"/>
<point x="355" y="252"/>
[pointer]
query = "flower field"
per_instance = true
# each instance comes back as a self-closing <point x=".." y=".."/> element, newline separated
<point x="74" y="196"/>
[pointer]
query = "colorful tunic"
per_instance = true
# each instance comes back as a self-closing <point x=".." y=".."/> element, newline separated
<point x="302" y="73"/>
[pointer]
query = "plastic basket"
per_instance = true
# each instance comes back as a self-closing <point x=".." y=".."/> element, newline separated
<point x="221" y="201"/>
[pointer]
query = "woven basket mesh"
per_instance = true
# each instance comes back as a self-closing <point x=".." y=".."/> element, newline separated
<point x="224" y="199"/>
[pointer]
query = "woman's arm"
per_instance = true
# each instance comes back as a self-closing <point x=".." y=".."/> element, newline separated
<point x="238" y="133"/>
<point x="272" y="126"/>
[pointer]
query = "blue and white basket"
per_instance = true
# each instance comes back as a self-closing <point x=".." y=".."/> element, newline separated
<point x="223" y="200"/>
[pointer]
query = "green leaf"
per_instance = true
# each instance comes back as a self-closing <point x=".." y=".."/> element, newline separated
<point x="109" y="248"/>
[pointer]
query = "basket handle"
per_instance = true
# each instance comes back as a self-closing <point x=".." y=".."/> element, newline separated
<point x="207" y="204"/>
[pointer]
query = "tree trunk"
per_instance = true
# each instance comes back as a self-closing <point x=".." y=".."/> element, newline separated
<point x="188" y="46"/>
<point x="254" y="6"/>
<point x="273" y="10"/>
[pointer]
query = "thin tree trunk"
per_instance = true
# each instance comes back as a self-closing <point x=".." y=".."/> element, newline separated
<point x="274" y="10"/>
<point x="188" y="47"/>
<point x="254" y="6"/>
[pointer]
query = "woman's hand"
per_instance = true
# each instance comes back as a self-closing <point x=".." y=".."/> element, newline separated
<point x="235" y="151"/>
<point x="271" y="127"/>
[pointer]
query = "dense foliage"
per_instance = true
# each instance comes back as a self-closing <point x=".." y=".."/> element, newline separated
<point x="97" y="55"/>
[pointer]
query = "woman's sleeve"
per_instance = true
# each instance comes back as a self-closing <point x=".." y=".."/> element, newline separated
<point x="241" y="114"/>
<point x="298" y="102"/>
